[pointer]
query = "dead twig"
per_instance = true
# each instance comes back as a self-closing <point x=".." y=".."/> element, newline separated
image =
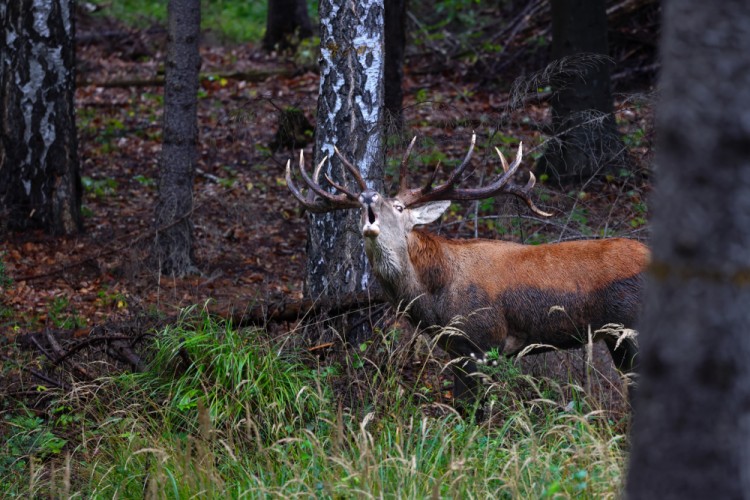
<point x="35" y="373"/>
<point x="320" y="346"/>
<point x="60" y="353"/>
<point x="101" y="339"/>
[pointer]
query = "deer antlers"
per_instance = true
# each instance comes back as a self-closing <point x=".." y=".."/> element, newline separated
<point x="326" y="201"/>
<point x="446" y="191"/>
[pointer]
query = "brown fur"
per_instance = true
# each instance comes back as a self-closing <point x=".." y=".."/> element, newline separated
<point x="574" y="266"/>
<point x="506" y="293"/>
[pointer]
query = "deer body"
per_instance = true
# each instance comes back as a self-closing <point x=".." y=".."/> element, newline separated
<point x="503" y="293"/>
<point x="500" y="295"/>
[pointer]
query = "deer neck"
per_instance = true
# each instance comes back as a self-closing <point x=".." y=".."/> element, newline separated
<point x="415" y="269"/>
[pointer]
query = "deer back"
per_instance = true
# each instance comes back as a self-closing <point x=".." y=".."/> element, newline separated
<point x="509" y="295"/>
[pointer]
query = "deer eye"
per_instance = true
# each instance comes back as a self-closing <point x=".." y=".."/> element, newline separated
<point x="399" y="208"/>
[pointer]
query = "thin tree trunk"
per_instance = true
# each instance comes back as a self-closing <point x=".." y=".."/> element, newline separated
<point x="40" y="185"/>
<point x="395" y="42"/>
<point x="349" y="116"/>
<point x="287" y="22"/>
<point x="585" y="140"/>
<point x="691" y="429"/>
<point x="173" y="248"/>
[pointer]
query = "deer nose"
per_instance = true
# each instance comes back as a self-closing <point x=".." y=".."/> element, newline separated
<point x="368" y="197"/>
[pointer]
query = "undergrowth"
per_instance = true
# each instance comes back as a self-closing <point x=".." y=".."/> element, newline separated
<point x="225" y="413"/>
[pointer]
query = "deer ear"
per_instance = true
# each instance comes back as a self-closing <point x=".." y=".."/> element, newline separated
<point x="424" y="214"/>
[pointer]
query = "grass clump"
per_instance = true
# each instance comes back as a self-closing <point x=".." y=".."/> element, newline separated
<point x="229" y="413"/>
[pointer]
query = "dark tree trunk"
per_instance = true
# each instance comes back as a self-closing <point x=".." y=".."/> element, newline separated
<point x="691" y="424"/>
<point x="40" y="184"/>
<point x="173" y="248"/>
<point x="395" y="43"/>
<point x="287" y="23"/>
<point x="585" y="140"/>
<point x="349" y="116"/>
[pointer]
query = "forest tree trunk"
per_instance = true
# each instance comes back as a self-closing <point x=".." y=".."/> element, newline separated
<point x="691" y="425"/>
<point x="287" y="22"/>
<point x="585" y="141"/>
<point x="395" y="44"/>
<point x="173" y="247"/>
<point x="40" y="184"/>
<point x="349" y="116"/>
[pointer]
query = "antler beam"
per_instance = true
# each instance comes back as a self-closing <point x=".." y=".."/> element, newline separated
<point x="448" y="191"/>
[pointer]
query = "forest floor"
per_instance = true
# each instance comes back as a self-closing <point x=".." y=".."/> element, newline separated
<point x="249" y="232"/>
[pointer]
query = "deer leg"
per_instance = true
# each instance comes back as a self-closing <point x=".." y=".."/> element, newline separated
<point x="623" y="355"/>
<point x="466" y="387"/>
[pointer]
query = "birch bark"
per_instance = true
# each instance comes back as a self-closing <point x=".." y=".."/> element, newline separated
<point x="349" y="116"/>
<point x="40" y="185"/>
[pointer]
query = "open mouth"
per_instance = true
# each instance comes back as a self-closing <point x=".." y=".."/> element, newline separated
<point x="371" y="228"/>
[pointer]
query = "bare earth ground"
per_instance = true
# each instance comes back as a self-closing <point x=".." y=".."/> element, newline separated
<point x="250" y="235"/>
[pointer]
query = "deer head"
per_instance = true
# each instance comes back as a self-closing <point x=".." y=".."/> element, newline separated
<point x="389" y="220"/>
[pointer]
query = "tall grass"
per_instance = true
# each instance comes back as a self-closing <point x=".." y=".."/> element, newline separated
<point x="229" y="413"/>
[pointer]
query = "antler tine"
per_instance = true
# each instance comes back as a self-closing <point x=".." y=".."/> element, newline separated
<point x="442" y="192"/>
<point x="405" y="167"/>
<point x="453" y="178"/>
<point x="352" y="169"/>
<point x="502" y="159"/>
<point x="510" y="170"/>
<point x="523" y="193"/>
<point x="500" y="185"/>
<point x="327" y="201"/>
<point x="318" y="168"/>
<point x="341" y="188"/>
<point x="316" y="206"/>
<point x="312" y="184"/>
<point x="432" y="178"/>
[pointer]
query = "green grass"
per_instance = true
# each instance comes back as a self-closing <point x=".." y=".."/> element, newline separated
<point x="233" y="20"/>
<point x="224" y="413"/>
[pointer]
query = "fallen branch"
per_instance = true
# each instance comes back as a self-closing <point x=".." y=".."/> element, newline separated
<point x="60" y="353"/>
<point x="99" y="340"/>
<point x="41" y="376"/>
<point x="253" y="76"/>
<point x="119" y="347"/>
<point x="288" y="312"/>
<point x="122" y="351"/>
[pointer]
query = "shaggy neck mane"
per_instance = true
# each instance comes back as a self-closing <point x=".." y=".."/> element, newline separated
<point x="430" y="263"/>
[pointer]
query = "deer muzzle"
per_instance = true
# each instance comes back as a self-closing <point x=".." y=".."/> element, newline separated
<point x="370" y="222"/>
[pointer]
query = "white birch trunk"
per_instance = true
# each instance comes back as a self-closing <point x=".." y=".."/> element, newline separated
<point x="39" y="167"/>
<point x="349" y="116"/>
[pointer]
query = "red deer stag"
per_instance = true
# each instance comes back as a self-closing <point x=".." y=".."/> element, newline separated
<point x="503" y="294"/>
